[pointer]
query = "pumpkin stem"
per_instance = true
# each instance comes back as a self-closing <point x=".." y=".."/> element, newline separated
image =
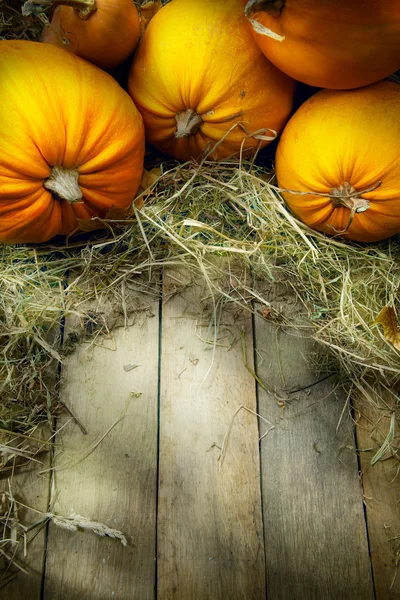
<point x="64" y="184"/>
<point x="273" y="7"/>
<point x="346" y="195"/>
<point x="187" y="123"/>
<point x="83" y="8"/>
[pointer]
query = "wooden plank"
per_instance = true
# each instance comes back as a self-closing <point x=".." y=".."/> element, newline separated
<point x="315" y="532"/>
<point x="381" y="490"/>
<point x="210" y="539"/>
<point x="32" y="490"/>
<point x="25" y="486"/>
<point x="112" y="479"/>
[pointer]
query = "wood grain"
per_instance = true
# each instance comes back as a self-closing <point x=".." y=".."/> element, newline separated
<point x="210" y="540"/>
<point x="115" y="483"/>
<point x="31" y="489"/>
<point x="381" y="491"/>
<point x="315" y="532"/>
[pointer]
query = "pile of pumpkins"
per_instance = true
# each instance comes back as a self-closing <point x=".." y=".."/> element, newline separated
<point x="208" y="77"/>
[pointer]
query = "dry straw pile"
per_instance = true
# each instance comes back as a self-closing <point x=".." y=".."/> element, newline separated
<point x="193" y="214"/>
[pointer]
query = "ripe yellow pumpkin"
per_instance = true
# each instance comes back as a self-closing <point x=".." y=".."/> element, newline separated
<point x="198" y="73"/>
<point x="337" y="44"/>
<point x="71" y="142"/>
<point x="345" y="145"/>
<point x="105" y="32"/>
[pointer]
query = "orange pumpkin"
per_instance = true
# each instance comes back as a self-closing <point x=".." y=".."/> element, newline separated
<point x="105" y="32"/>
<point x="71" y="142"/>
<point x="338" y="44"/>
<point x="345" y="145"/>
<point x="199" y="79"/>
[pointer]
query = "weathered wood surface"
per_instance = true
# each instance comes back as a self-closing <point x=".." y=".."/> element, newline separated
<point x="28" y="483"/>
<point x="115" y="481"/>
<point x="206" y="538"/>
<point x="32" y="490"/>
<point x="315" y="532"/>
<point x="210" y="538"/>
<point x="381" y="491"/>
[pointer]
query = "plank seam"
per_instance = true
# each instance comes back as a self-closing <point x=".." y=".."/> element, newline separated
<point x="43" y="583"/>
<point x="253" y="326"/>
<point x="160" y="305"/>
<point x="352" y="412"/>
<point x="53" y="432"/>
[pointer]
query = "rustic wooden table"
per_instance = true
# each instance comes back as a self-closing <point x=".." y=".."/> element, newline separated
<point x="282" y="518"/>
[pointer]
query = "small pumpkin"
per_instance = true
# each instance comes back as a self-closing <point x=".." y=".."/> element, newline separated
<point x="338" y="44"/>
<point x="199" y="79"/>
<point x="71" y="142"/>
<point x="104" y="32"/>
<point x="345" y="146"/>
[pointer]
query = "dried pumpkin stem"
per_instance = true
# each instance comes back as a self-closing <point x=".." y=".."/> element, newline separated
<point x="83" y="8"/>
<point x="346" y="195"/>
<point x="187" y="123"/>
<point x="64" y="184"/>
<point x="324" y="194"/>
<point x="273" y="7"/>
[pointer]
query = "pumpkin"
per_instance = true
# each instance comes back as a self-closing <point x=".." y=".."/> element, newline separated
<point x="199" y="79"/>
<point x="345" y="146"/>
<point x="71" y="142"/>
<point x="104" y="32"/>
<point x="338" y="44"/>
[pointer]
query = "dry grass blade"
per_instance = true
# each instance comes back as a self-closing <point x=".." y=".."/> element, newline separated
<point x="228" y="431"/>
<point x="75" y="522"/>
<point x="387" y="444"/>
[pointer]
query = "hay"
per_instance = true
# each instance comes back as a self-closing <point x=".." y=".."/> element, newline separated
<point x="192" y="215"/>
<point x="13" y="26"/>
